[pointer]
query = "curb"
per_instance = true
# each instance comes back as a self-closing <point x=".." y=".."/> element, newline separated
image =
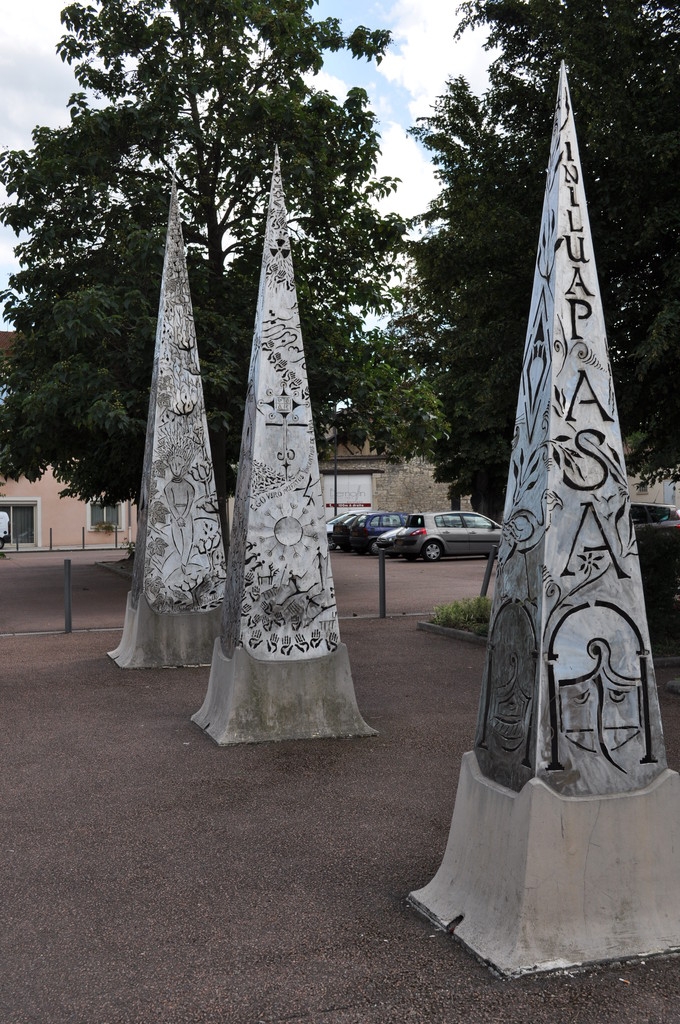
<point x="116" y="568"/>
<point x="453" y="634"/>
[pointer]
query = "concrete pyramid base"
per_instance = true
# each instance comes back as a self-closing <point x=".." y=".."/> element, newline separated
<point x="250" y="701"/>
<point x="533" y="881"/>
<point x="170" y="640"/>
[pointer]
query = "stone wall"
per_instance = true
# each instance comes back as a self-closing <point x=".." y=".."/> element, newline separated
<point x="401" y="487"/>
<point x="410" y="487"/>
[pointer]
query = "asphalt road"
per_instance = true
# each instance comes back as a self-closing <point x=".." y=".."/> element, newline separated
<point x="150" y="877"/>
<point x="33" y="585"/>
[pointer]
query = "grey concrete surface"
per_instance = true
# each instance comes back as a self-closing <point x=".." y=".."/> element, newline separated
<point x="150" y="877"/>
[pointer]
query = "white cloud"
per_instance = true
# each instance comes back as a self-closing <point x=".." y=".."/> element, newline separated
<point x="403" y="158"/>
<point x="329" y="83"/>
<point x="424" y="53"/>
<point x="34" y="83"/>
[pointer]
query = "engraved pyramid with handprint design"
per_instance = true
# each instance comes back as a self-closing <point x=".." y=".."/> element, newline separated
<point x="279" y="670"/>
<point x="174" y="606"/>
<point x="564" y="838"/>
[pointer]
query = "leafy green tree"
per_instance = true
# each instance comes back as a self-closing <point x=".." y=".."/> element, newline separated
<point x="206" y="89"/>
<point x="467" y="304"/>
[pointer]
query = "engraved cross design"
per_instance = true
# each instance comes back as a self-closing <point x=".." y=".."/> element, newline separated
<point x="279" y="409"/>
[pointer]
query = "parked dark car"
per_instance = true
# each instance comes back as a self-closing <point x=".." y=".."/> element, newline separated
<point x="332" y="523"/>
<point x="434" y="534"/>
<point x="654" y="514"/>
<point x="365" y="530"/>
<point x="340" y="535"/>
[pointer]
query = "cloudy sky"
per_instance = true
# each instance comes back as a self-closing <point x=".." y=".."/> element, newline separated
<point x="36" y="85"/>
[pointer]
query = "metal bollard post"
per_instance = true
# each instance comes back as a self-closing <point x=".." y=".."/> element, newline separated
<point x="83" y="538"/>
<point x="489" y="566"/>
<point x="115" y="533"/>
<point x="381" y="581"/>
<point x="67" y="595"/>
<point x="50" y="538"/>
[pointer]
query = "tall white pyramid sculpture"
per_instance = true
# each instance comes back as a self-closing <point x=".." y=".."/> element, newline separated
<point x="279" y="670"/>
<point x="174" y="606"/>
<point x="565" y="841"/>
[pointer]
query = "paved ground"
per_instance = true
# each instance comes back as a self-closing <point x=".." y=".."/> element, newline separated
<point x="35" y="580"/>
<point x="147" y="876"/>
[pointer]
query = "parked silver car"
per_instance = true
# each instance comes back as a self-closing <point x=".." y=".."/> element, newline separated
<point x="434" y="534"/>
<point x="385" y="541"/>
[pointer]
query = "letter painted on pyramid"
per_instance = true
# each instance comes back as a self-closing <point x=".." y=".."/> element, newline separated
<point x="279" y="669"/>
<point x="566" y="799"/>
<point x="174" y="606"/>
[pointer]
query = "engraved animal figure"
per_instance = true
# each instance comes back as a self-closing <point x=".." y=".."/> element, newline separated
<point x="524" y="527"/>
<point x="269" y="577"/>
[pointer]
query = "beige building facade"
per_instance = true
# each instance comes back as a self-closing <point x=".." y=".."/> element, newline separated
<point x="39" y="518"/>
<point x="663" y="493"/>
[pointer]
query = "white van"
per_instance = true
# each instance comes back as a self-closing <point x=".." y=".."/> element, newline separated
<point x="4" y="529"/>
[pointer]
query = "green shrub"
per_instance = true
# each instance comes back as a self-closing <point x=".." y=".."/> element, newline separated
<point x="470" y="613"/>
<point x="660" y="568"/>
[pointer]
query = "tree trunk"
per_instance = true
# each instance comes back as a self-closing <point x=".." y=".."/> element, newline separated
<point x="223" y="474"/>
<point x="488" y="496"/>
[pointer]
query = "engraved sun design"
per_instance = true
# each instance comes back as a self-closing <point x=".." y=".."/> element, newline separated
<point x="294" y="532"/>
<point x="289" y="586"/>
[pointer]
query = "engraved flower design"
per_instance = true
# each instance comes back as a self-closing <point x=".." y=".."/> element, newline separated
<point x="590" y="561"/>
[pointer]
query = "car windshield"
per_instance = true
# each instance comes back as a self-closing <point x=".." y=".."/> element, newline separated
<point x="337" y="519"/>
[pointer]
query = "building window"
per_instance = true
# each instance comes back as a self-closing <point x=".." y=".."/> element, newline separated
<point x="642" y="488"/>
<point x="21" y="523"/>
<point x="104" y="517"/>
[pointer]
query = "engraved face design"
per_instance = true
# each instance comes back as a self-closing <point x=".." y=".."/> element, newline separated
<point x="599" y="683"/>
<point x="510" y="686"/>
<point x="509" y="708"/>
<point x="601" y="712"/>
<point x="179" y="466"/>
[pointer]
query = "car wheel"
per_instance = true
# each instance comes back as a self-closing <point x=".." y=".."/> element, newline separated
<point x="374" y="548"/>
<point x="2" y="543"/>
<point x="432" y="551"/>
<point x="331" y="545"/>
